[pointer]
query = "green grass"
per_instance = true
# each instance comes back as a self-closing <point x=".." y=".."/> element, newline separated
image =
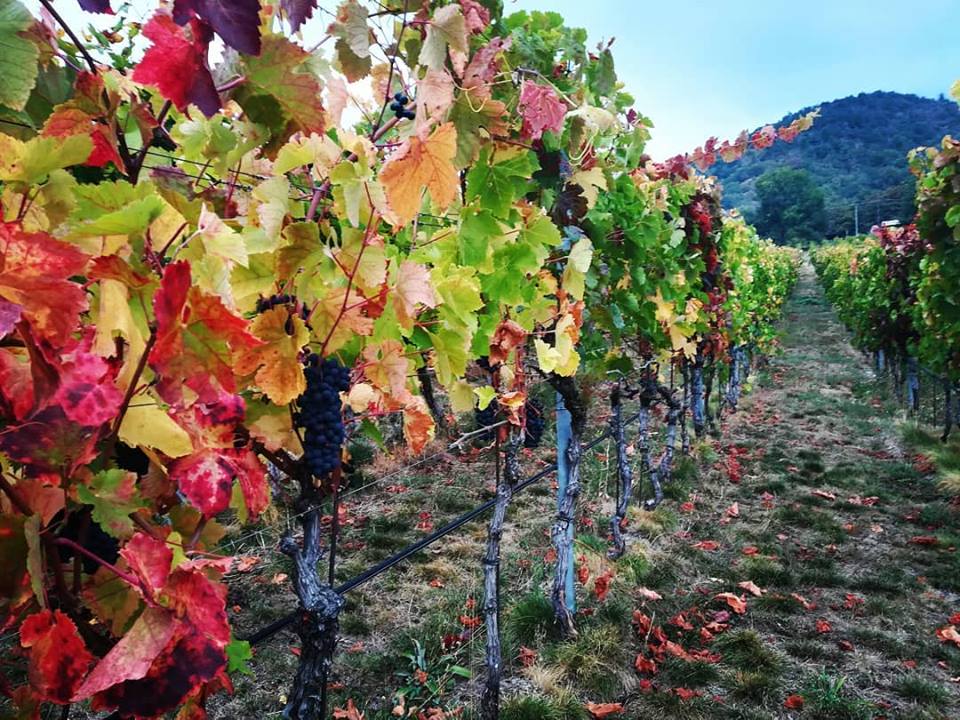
<point x="827" y="698"/>
<point x="745" y="650"/>
<point x="918" y="689"/>
<point x="539" y="708"/>
<point x="530" y="619"/>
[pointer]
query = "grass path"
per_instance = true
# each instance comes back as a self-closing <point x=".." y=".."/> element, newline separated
<point x="807" y="497"/>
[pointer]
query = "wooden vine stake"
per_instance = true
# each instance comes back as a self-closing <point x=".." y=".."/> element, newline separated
<point x="490" y="702"/>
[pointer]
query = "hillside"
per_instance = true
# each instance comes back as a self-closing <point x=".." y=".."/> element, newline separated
<point x="855" y="152"/>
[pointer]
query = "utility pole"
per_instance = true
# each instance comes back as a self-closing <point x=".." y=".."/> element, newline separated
<point x="856" y="219"/>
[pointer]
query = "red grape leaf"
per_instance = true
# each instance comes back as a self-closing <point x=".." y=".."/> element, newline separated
<point x="541" y="109"/>
<point x="34" y="272"/>
<point x="58" y="657"/>
<point x="252" y="476"/>
<point x="298" y="11"/>
<point x="16" y="385"/>
<point x="236" y="21"/>
<point x="176" y="63"/>
<point x="131" y="658"/>
<point x="206" y="479"/>
<point x="602" y="710"/>
<point x="50" y="442"/>
<point x="87" y="392"/>
<point x="197" y="339"/>
<point x="150" y="560"/>
<point x="67" y="120"/>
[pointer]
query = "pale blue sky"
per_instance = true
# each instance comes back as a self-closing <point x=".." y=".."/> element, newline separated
<point x="702" y="67"/>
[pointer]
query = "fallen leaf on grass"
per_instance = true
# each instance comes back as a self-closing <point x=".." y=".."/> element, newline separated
<point x="924" y="540"/>
<point x="949" y="633"/>
<point x="601" y="585"/>
<point x="645" y="665"/>
<point x="351" y="713"/>
<point x="734" y="510"/>
<point x="527" y="656"/>
<point x="794" y="702"/>
<point x="687" y="507"/>
<point x="279" y="579"/>
<point x="246" y="563"/>
<point x="648" y="594"/>
<point x="750" y="587"/>
<point x="823" y="626"/>
<point x="824" y="494"/>
<point x="845" y="645"/>
<point x="750" y="550"/>
<point x="736" y="603"/>
<point x="602" y="710"/>
<point x="707" y="545"/>
<point x="807" y="605"/>
<point x="686" y="694"/>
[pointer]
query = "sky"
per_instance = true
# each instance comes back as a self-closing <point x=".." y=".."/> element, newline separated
<point x="715" y="67"/>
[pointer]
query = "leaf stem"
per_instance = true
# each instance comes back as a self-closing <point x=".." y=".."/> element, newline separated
<point x="72" y="35"/>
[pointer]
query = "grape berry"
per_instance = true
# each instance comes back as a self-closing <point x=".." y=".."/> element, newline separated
<point x="535" y="424"/>
<point x="399" y="108"/>
<point x="320" y="414"/>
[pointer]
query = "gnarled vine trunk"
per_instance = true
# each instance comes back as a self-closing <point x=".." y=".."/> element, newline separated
<point x="697" y="401"/>
<point x="624" y="474"/>
<point x="429" y="397"/>
<point x="562" y="531"/>
<point x="490" y="702"/>
<point x="685" y="410"/>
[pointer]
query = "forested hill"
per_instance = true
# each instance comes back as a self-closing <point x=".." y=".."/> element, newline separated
<point x="855" y="152"/>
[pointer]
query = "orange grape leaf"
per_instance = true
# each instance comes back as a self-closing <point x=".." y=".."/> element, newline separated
<point x="413" y="286"/>
<point x="647" y="594"/>
<point x="351" y="713"/>
<point x="422" y="164"/>
<point x="793" y="702"/>
<point x="505" y="338"/>
<point x="949" y="633"/>
<point x="750" y="587"/>
<point x="823" y="626"/>
<point x="417" y="424"/>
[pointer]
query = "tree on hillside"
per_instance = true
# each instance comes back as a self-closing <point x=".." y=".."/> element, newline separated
<point x="792" y="209"/>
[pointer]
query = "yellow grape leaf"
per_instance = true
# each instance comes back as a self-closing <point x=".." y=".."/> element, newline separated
<point x="592" y="181"/>
<point x="30" y="162"/>
<point x="567" y="335"/>
<point x="219" y="239"/>
<point x="371" y="265"/>
<point x="276" y="362"/>
<point x="665" y="310"/>
<point x="386" y="366"/>
<point x="147" y="425"/>
<point x="511" y="402"/>
<point x="422" y="164"/>
<point x="682" y="343"/>
<point x="361" y="396"/>
<point x="485" y="396"/>
<point x="417" y="424"/>
<point x="547" y="357"/>
<point x="462" y="398"/>
<point x="274" y="197"/>
<point x="340" y="321"/>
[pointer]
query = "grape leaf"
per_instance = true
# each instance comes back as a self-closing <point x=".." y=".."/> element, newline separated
<point x="96" y="6"/>
<point x="176" y="63"/>
<point x="150" y="560"/>
<point x="34" y="272"/>
<point x="32" y="161"/>
<point x="113" y="495"/>
<point x="281" y="73"/>
<point x="413" y="288"/>
<point x="206" y="479"/>
<point x="418" y="427"/>
<point x="68" y="120"/>
<point x="499" y="184"/>
<point x="418" y="164"/>
<point x="236" y="21"/>
<point x="87" y="391"/>
<point x="542" y="110"/>
<point x="276" y="362"/>
<point x="298" y="11"/>
<point x="197" y="338"/>
<point x="18" y="61"/>
<point x="447" y="29"/>
<point x="146" y="425"/>
<point x="58" y="657"/>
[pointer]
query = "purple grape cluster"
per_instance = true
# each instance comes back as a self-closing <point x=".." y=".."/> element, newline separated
<point x="321" y="414"/>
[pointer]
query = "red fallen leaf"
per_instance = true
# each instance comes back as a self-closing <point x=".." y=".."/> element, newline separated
<point x="602" y="710"/>
<point x="601" y="585"/>
<point x="750" y="587"/>
<point x="351" y="713"/>
<point x="470" y="621"/>
<point x="471" y="603"/>
<point x="852" y="602"/>
<point x="397" y="489"/>
<point x="736" y="603"/>
<point x="176" y="63"/>
<point x="647" y="594"/>
<point x="733" y="511"/>
<point x="954" y="619"/>
<point x="925" y="540"/>
<point x="845" y="645"/>
<point x="705" y="635"/>
<point x="436" y="583"/>
<point x="687" y="507"/>
<point x="767" y="500"/>
<point x="643" y="622"/>
<point x="646" y="686"/>
<point x="58" y="657"/>
<point x="949" y="633"/>
<point x="716" y="627"/>
<point x="686" y="694"/>
<point x="794" y="702"/>
<point x="278" y="579"/>
<point x="246" y="563"/>
<point x="807" y="605"/>
<point x="420" y="676"/>
<point x="750" y="550"/>
<point x="645" y="665"/>
<point x="527" y="656"/>
<point x="681" y="622"/>
<point x="295" y="651"/>
<point x="824" y="494"/>
<point x="823" y="626"/>
<point x="583" y="570"/>
<point x="910" y="664"/>
<point x="707" y="545"/>
<point x="721" y="616"/>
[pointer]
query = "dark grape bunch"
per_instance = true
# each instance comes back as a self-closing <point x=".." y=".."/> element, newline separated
<point x="321" y="414"/>
<point x="535" y="424"/>
<point x="268" y="303"/>
<point x="399" y="107"/>
<point x="485" y="418"/>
